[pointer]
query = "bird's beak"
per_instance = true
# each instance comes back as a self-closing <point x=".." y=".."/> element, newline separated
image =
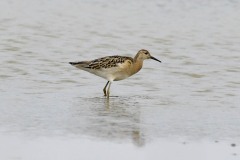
<point x="155" y="59"/>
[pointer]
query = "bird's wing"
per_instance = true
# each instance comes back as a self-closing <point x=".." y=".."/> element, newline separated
<point x="108" y="62"/>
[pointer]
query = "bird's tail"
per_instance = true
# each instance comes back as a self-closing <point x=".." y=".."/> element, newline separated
<point x="80" y="65"/>
<point x="74" y="63"/>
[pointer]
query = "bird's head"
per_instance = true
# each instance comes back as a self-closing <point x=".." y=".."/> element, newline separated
<point x="144" y="54"/>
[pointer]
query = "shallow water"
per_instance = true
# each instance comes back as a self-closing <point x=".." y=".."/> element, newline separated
<point x="188" y="105"/>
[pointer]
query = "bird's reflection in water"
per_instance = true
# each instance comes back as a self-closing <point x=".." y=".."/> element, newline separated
<point x="114" y="119"/>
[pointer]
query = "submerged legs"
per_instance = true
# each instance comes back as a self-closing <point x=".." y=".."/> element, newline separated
<point x="107" y="93"/>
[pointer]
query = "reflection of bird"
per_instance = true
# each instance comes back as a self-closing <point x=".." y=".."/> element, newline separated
<point x="114" y="68"/>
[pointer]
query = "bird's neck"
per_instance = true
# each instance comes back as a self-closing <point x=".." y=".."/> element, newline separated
<point x="137" y="65"/>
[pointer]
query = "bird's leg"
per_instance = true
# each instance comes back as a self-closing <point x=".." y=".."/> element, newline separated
<point x="108" y="91"/>
<point x="104" y="89"/>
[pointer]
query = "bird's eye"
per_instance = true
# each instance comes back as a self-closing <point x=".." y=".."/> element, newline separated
<point x="146" y="53"/>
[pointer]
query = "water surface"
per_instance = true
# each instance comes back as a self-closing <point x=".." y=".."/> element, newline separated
<point x="187" y="107"/>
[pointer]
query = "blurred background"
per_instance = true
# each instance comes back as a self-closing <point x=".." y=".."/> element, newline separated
<point x="188" y="105"/>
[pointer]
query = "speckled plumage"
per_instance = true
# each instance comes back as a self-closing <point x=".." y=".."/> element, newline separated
<point x="105" y="62"/>
<point x="114" y="68"/>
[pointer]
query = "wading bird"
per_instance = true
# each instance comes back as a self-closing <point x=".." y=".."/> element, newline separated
<point x="114" y="68"/>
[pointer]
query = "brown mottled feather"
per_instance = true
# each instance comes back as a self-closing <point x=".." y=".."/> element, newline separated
<point x="104" y="62"/>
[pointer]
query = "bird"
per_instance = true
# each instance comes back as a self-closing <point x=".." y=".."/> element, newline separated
<point x="114" y="68"/>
